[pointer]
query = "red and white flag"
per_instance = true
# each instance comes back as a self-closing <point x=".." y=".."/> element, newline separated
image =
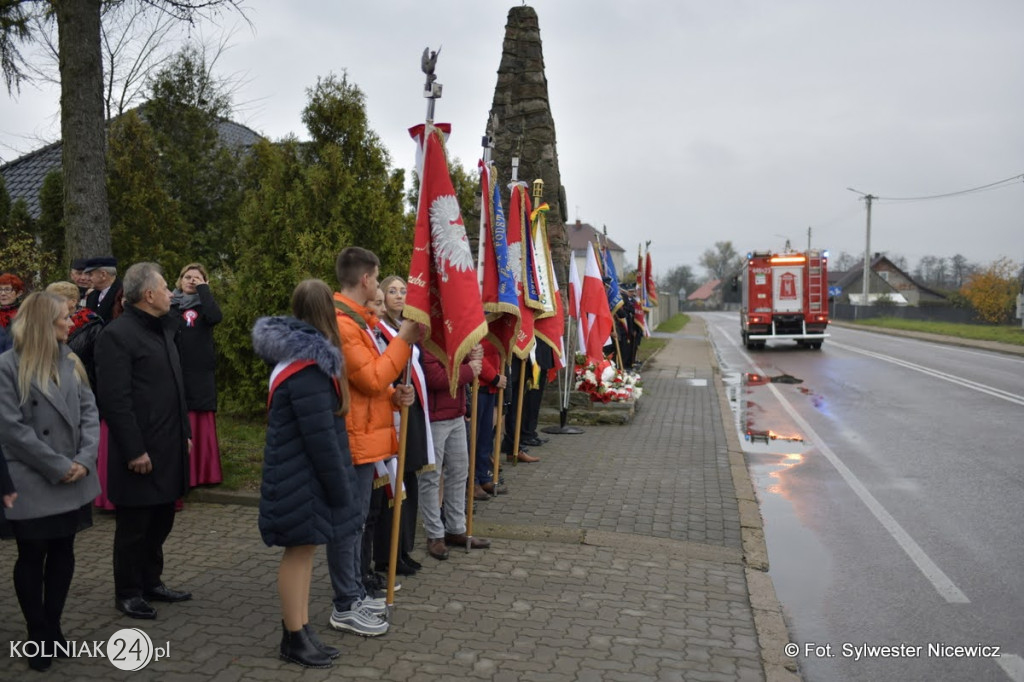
<point x="651" y="287"/>
<point x="594" y="308"/>
<point x="575" y="291"/>
<point x="442" y="284"/>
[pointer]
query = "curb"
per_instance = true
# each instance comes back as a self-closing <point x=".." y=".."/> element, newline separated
<point x="769" y="622"/>
<point x="994" y="346"/>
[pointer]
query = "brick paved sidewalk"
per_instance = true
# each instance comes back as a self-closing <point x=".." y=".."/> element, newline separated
<point x="619" y="557"/>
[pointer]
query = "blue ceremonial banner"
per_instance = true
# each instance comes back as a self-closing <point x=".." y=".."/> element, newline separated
<point x="614" y="294"/>
<point x="506" y="280"/>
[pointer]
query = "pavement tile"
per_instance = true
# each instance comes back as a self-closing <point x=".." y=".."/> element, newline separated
<point x="618" y="557"/>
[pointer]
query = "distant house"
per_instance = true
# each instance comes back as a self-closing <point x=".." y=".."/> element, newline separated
<point x="24" y="176"/>
<point x="885" y="281"/>
<point x="707" y="295"/>
<point x="580" y="234"/>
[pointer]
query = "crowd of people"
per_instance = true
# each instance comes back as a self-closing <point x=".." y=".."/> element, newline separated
<point x="107" y="399"/>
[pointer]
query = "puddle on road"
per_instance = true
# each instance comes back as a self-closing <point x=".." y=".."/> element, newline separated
<point x="799" y="564"/>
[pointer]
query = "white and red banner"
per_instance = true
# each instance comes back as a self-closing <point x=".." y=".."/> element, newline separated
<point x="594" y="309"/>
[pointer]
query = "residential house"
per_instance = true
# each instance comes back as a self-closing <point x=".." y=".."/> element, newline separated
<point x="886" y="281"/>
<point x="580" y="234"/>
<point x="708" y="296"/>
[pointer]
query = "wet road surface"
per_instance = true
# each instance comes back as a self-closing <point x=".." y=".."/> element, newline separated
<point x="890" y="474"/>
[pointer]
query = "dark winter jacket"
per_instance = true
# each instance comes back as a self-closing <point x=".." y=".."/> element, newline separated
<point x="86" y="328"/>
<point x="141" y="396"/>
<point x="111" y="307"/>
<point x="197" y="317"/>
<point x="5" y="340"/>
<point x="442" y="405"/>
<point x="307" y="494"/>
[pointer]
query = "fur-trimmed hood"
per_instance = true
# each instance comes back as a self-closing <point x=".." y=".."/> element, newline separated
<point x="283" y="339"/>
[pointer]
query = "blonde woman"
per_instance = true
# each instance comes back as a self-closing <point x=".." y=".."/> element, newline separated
<point x="49" y="430"/>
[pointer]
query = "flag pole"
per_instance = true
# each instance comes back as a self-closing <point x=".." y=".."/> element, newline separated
<point x="432" y="92"/>
<point x="472" y="463"/>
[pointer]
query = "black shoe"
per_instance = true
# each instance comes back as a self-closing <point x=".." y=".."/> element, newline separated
<point x="135" y="607"/>
<point x="401" y="568"/>
<point x="297" y="647"/>
<point x="60" y="644"/>
<point x="532" y="442"/>
<point x="412" y="562"/>
<point x="332" y="652"/>
<point x="164" y="593"/>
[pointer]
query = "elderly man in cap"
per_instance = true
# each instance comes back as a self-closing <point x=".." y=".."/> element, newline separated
<point x="80" y="279"/>
<point x="105" y="298"/>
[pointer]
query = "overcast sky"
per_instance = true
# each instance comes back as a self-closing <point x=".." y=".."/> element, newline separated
<point x="686" y="122"/>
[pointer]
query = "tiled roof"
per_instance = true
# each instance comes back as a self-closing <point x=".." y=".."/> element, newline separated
<point x="24" y="176"/>
<point x="579" y="234"/>
<point x="705" y="291"/>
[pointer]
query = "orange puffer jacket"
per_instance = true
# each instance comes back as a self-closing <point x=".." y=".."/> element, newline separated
<point x="370" y="420"/>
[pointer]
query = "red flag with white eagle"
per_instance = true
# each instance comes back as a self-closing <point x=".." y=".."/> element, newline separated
<point x="442" y="286"/>
<point x="594" y="307"/>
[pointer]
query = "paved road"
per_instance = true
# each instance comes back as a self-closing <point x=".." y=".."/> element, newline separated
<point x="897" y="521"/>
<point x="619" y="557"/>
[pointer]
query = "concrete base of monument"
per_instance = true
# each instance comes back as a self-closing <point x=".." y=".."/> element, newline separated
<point x="583" y="411"/>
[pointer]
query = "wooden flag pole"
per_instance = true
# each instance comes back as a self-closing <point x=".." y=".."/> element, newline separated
<point x="499" y="427"/>
<point x="472" y="463"/>
<point x="396" y="516"/>
<point x="519" y="413"/>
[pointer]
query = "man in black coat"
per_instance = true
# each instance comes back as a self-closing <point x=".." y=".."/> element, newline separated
<point x="141" y="396"/>
<point x="107" y="289"/>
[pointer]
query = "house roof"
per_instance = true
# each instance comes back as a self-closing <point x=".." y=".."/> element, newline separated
<point x="579" y="234"/>
<point x="856" y="274"/>
<point x="704" y="291"/>
<point x="24" y="176"/>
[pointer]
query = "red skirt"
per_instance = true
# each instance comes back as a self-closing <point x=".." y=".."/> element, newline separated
<point x="101" y="469"/>
<point x="204" y="458"/>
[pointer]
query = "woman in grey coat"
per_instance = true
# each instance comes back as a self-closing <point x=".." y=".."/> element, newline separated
<point x="49" y="430"/>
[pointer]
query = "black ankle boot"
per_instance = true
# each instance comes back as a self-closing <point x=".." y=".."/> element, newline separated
<point x="59" y="642"/>
<point x="296" y="647"/>
<point x="331" y="651"/>
<point x="40" y="662"/>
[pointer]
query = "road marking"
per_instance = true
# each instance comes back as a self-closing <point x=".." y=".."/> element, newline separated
<point x="939" y="580"/>
<point x="1012" y="665"/>
<point x="951" y="378"/>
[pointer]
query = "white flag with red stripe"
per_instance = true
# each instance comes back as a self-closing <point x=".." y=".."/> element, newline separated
<point x="594" y="308"/>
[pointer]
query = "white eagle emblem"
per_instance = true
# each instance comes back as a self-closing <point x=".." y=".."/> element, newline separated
<point x="448" y="234"/>
<point x="515" y="261"/>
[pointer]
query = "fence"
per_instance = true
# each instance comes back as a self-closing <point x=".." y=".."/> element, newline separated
<point x="845" y="311"/>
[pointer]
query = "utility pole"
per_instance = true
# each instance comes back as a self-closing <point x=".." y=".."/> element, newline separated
<point x="868" y="198"/>
<point x="808" y="239"/>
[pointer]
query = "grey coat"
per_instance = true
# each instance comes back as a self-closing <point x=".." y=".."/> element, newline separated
<point x="41" y="439"/>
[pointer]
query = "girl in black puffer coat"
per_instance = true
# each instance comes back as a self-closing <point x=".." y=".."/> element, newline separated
<point x="306" y="494"/>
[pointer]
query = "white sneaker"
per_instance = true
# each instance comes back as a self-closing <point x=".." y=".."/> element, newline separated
<point x="376" y="606"/>
<point x="360" y="620"/>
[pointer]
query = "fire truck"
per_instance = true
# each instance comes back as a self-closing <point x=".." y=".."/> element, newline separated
<point x="785" y="296"/>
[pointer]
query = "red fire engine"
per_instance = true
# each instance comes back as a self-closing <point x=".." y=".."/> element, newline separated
<point x="785" y="296"/>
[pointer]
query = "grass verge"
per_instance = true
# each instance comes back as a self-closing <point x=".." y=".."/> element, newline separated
<point x="241" y="450"/>
<point x="674" y="323"/>
<point x="1001" y="334"/>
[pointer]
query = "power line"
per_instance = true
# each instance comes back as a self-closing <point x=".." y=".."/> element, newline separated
<point x="991" y="186"/>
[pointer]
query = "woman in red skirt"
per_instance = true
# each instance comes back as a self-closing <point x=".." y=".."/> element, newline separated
<point x="197" y="312"/>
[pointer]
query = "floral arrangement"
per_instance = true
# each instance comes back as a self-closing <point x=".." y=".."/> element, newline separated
<point x="605" y="383"/>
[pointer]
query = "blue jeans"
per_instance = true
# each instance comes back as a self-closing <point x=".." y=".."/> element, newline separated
<point x="343" y="552"/>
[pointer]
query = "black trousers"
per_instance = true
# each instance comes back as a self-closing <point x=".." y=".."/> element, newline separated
<point x="139" y="548"/>
<point x="406" y="525"/>
<point x="42" y="579"/>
